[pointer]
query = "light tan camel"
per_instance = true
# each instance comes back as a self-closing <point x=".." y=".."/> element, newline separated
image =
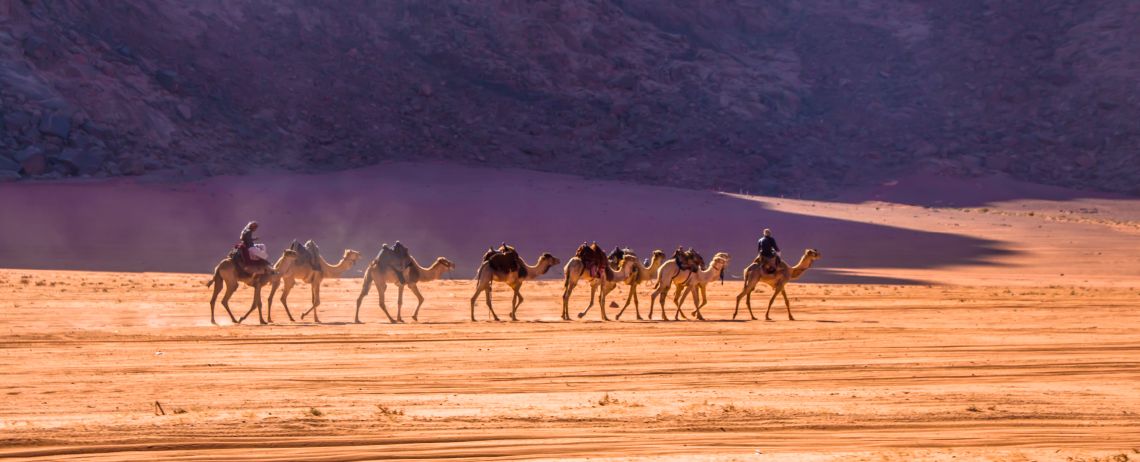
<point x="306" y="273"/>
<point x="388" y="263"/>
<point x="640" y="274"/>
<point x="777" y="280"/>
<point x="672" y="275"/>
<point x="227" y="272"/>
<point x="576" y="271"/>
<point x="512" y="279"/>
<point x="416" y="274"/>
<point x="696" y="284"/>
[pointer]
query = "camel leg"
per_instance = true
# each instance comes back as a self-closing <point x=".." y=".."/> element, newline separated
<point x="217" y="283"/>
<point x="678" y="300"/>
<point x="272" y="291"/>
<point x="775" y="293"/>
<point x="257" y="302"/>
<point x="360" y="298"/>
<point x="601" y="298"/>
<point x="420" y="301"/>
<point x="628" y="298"/>
<point x="516" y="300"/>
<point x="568" y="288"/>
<point x="382" y="287"/>
<point x="748" y="301"/>
<point x="487" y="294"/>
<point x="787" y="303"/>
<point x="747" y="290"/>
<point x="593" y="293"/>
<point x="636" y="302"/>
<point x="699" y="302"/>
<point x="252" y="306"/>
<point x="479" y="287"/>
<point x="399" y="302"/>
<point x="663" y="292"/>
<point x="316" y="299"/>
<point x="230" y="289"/>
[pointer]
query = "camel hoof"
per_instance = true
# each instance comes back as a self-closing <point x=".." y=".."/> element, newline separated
<point x="415" y="319"/>
<point x="639" y="318"/>
<point x="582" y="314"/>
<point x="754" y="318"/>
<point x="213" y="322"/>
<point x="791" y="318"/>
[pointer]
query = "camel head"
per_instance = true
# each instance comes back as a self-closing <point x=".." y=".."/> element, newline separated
<point x="812" y="254"/>
<point x="549" y="259"/>
<point x="351" y="256"/>
<point x="445" y="263"/>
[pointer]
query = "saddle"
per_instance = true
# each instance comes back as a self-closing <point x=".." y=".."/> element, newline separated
<point x="308" y="254"/>
<point x="768" y="264"/>
<point x="688" y="260"/>
<point x="594" y="260"/>
<point x="247" y="269"/>
<point x="395" y="258"/>
<point x="505" y="260"/>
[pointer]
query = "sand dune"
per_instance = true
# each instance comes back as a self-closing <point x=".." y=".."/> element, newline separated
<point x="459" y="211"/>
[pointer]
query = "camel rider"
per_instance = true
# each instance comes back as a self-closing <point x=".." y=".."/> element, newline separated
<point x="769" y="251"/>
<point x="616" y="256"/>
<point x="247" y="241"/>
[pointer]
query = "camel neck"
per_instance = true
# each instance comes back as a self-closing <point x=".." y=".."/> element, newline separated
<point x="801" y="267"/>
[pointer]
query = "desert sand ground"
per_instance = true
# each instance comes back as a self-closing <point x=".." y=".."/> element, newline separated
<point x="956" y="336"/>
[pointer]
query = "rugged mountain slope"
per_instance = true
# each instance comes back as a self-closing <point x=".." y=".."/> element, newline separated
<point x="790" y="97"/>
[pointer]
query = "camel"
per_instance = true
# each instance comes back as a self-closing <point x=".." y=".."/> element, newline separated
<point x="414" y="275"/>
<point x="641" y="273"/>
<point x="228" y="272"/>
<point x="489" y="271"/>
<point x="673" y="274"/>
<point x="390" y="262"/>
<point x="575" y="270"/>
<point x="777" y="280"/>
<point x="305" y="273"/>
<point x="696" y="284"/>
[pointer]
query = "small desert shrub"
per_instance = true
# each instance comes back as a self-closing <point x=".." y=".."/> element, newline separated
<point x="607" y="400"/>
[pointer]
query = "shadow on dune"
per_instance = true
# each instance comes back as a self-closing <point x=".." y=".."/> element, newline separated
<point x="437" y="210"/>
<point x="930" y="190"/>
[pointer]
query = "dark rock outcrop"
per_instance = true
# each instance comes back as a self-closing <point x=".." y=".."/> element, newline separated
<point x="728" y="94"/>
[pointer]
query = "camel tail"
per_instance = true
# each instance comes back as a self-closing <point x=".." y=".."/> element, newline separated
<point x="213" y="279"/>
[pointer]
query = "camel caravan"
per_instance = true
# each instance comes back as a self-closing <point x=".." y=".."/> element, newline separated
<point x="686" y="273"/>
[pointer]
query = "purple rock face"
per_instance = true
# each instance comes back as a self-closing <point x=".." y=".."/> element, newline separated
<point x="775" y="97"/>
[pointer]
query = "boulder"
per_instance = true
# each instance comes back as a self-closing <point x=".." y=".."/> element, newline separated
<point x="17" y="120"/>
<point x="32" y="160"/>
<point x="81" y="161"/>
<point x="7" y="164"/>
<point x="167" y="78"/>
<point x="57" y="124"/>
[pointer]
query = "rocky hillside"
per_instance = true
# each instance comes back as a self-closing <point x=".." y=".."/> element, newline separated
<point x="773" y="96"/>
